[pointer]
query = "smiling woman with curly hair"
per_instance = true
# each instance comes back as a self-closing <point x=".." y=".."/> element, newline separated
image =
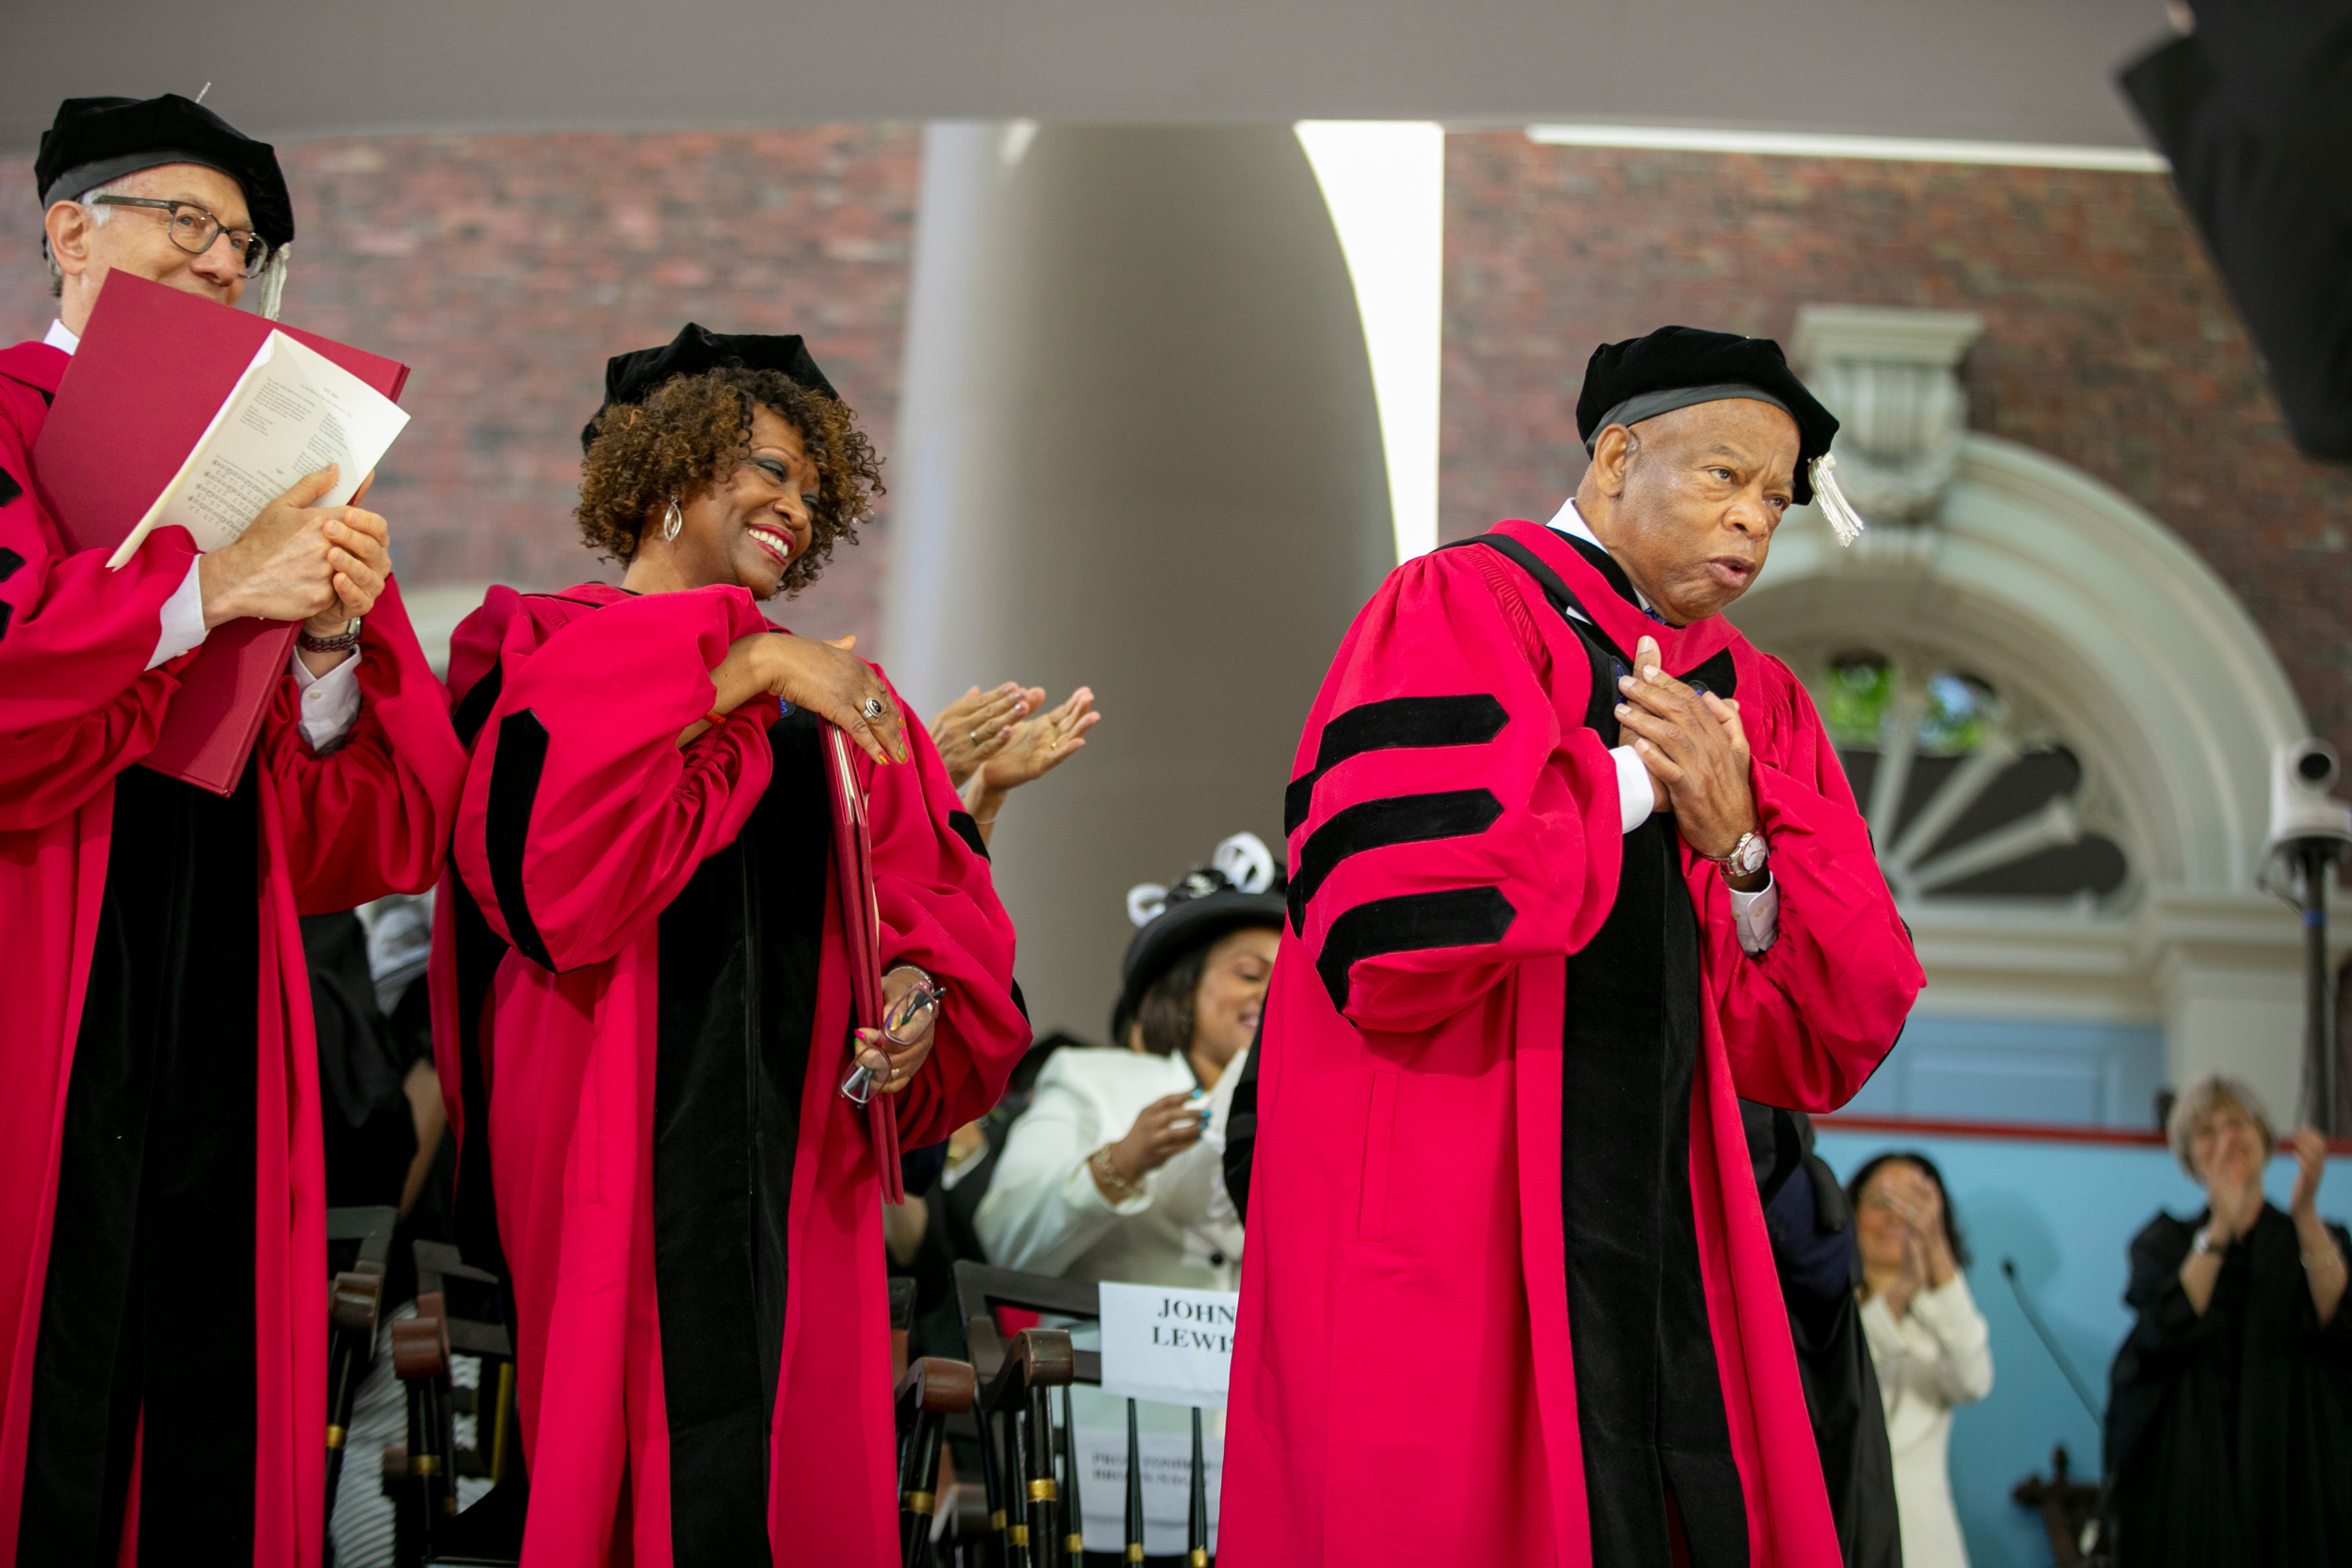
<point x="657" y="1080"/>
<point x="691" y="432"/>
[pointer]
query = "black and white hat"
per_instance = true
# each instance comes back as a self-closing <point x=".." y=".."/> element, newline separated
<point x="1240" y="886"/>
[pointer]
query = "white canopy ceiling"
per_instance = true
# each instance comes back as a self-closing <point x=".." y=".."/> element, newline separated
<point x="2022" y="70"/>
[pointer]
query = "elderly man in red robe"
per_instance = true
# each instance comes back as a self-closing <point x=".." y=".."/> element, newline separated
<point x="1574" y="868"/>
<point x="162" y="1270"/>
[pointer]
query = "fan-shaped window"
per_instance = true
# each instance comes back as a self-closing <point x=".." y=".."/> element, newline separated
<point x="1965" y="801"/>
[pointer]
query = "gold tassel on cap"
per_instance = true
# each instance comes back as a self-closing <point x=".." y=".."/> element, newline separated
<point x="1844" y="521"/>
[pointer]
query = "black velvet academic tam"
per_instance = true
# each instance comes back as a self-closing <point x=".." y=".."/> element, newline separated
<point x="1682" y="358"/>
<point x="628" y="377"/>
<point x="98" y="139"/>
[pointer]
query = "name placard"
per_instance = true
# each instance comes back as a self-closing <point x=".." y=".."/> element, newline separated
<point x="1167" y="1343"/>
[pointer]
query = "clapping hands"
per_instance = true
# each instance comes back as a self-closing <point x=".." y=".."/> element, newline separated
<point x="975" y="726"/>
<point x="1036" y="747"/>
<point x="994" y="741"/>
<point x="1928" y="1261"/>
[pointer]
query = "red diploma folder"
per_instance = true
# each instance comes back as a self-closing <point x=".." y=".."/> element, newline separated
<point x="154" y="367"/>
<point x="861" y="930"/>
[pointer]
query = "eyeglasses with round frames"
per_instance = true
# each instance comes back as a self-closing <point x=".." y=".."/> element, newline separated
<point x="194" y="230"/>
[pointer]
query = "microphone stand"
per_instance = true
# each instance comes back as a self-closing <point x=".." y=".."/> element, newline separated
<point x="2099" y="1531"/>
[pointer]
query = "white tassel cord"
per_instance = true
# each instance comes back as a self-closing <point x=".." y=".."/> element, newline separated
<point x="273" y="282"/>
<point x="1844" y="521"/>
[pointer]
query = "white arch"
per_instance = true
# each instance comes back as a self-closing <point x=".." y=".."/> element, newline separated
<point x="2102" y="629"/>
<point x="2077" y="603"/>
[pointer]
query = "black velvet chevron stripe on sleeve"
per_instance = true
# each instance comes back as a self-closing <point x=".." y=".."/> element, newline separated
<point x="1457" y="917"/>
<point x="523" y="756"/>
<point x="474" y="711"/>
<point x="10" y="560"/>
<point x="1375" y="824"/>
<point x="1392" y="723"/>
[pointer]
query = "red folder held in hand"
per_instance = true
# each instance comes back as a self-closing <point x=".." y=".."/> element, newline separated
<point x="154" y="365"/>
<point x="861" y="930"/>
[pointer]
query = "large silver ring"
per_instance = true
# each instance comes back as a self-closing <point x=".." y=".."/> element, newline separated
<point x="873" y="708"/>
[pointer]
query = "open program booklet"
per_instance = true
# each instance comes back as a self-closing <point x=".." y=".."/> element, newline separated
<point x="291" y="413"/>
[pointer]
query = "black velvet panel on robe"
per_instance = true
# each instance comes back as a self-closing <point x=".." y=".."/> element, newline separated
<point x="1811" y="1225"/>
<point x="741" y="950"/>
<point x="2229" y="1439"/>
<point x="473" y="1221"/>
<point x="148" y="1302"/>
<point x="1650" y="1413"/>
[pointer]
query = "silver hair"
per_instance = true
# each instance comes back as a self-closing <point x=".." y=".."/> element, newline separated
<point x="2207" y="1093"/>
<point x="98" y="216"/>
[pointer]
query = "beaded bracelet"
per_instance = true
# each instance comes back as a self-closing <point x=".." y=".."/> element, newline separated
<point x="342" y="642"/>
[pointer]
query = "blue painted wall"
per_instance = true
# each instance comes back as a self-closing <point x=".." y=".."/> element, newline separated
<point x="2066" y="1212"/>
<point x="2016" y="1069"/>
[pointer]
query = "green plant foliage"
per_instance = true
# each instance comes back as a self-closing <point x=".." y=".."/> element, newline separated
<point x="1954" y="722"/>
<point x="1861" y="688"/>
<point x="1859" y="692"/>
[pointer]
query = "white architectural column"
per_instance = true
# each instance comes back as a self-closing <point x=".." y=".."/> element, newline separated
<point x="1138" y="451"/>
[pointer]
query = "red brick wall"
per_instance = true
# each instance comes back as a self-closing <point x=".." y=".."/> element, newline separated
<point x="505" y="269"/>
<point x="2107" y="343"/>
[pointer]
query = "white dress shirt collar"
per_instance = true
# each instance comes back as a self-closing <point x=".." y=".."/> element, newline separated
<point x="59" y="337"/>
<point x="1568" y="520"/>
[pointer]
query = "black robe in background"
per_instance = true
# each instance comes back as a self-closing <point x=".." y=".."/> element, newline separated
<point x="1812" y="1228"/>
<point x="2229" y="1437"/>
<point x="365" y="1122"/>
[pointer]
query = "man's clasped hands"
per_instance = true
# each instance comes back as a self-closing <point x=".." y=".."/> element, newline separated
<point x="1696" y="752"/>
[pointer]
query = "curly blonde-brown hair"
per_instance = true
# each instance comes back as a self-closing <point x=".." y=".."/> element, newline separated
<point x="691" y="432"/>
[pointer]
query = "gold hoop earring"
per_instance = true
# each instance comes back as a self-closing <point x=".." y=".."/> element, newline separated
<point x="672" y="522"/>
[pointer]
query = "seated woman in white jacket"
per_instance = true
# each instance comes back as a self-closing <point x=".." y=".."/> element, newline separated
<point x="1927" y="1340"/>
<point x="1114" y="1172"/>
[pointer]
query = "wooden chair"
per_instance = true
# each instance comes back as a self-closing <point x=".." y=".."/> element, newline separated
<point x="1035" y="1360"/>
<point x="359" y="1249"/>
<point x="461" y="1310"/>
<point x="2069" y="1509"/>
<point x="475" y="1310"/>
<point x="981" y="1290"/>
<point x="930" y="1390"/>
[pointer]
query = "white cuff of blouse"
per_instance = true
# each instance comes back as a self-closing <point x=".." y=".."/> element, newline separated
<point x="329" y="702"/>
<point x="182" y="620"/>
<point x="1082" y="1191"/>
<point x="1756" y="916"/>
<point x="1636" y="795"/>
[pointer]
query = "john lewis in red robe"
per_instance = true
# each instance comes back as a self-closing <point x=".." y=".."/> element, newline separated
<point x="162" y="1249"/>
<point x="1510" y="1296"/>
<point x="643" y="1005"/>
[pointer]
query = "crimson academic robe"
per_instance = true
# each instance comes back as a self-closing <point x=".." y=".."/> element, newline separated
<point x="162" y="1263"/>
<point x="689" y="1210"/>
<point x="1490" y="996"/>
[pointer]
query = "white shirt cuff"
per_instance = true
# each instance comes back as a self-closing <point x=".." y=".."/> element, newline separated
<point x="1637" y="797"/>
<point x="1756" y="916"/>
<point x="329" y="702"/>
<point x="183" y="619"/>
